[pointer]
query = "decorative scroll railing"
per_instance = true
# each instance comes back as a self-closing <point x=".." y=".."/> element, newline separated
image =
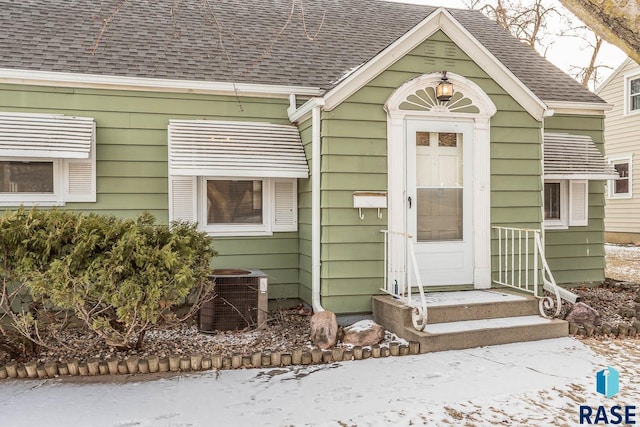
<point x="401" y="274"/>
<point x="522" y="265"/>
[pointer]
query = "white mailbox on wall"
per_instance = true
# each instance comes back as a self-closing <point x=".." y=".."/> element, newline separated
<point x="369" y="200"/>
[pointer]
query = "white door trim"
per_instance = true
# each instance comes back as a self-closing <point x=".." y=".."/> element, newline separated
<point x="396" y="154"/>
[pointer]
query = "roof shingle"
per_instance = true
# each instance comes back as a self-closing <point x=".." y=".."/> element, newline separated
<point x="261" y="41"/>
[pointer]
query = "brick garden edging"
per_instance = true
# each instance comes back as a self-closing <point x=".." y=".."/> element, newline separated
<point x="621" y="330"/>
<point x="198" y="362"/>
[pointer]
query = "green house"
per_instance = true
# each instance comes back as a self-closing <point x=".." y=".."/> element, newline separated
<point x="310" y="143"/>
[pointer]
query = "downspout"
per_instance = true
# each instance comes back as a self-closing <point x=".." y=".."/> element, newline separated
<point x="316" y="160"/>
<point x="313" y="106"/>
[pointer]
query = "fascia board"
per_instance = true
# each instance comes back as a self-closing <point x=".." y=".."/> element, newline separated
<point x="94" y="81"/>
<point x="562" y="107"/>
<point x="439" y="19"/>
<point x="382" y="61"/>
<point x="613" y="75"/>
<point x="304" y="111"/>
<point x="587" y="176"/>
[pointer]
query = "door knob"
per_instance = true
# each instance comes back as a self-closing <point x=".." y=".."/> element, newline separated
<point x="409" y="200"/>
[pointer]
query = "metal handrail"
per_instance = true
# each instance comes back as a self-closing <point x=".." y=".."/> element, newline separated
<point x="516" y="247"/>
<point x="395" y="264"/>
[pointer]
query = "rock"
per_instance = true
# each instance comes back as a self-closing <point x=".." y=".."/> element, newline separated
<point x="363" y="333"/>
<point x="623" y="330"/>
<point x="628" y="312"/>
<point x="589" y="330"/>
<point x="573" y="328"/>
<point x="582" y="314"/>
<point x="324" y="329"/>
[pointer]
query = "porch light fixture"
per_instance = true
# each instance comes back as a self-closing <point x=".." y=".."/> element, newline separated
<point x="444" y="90"/>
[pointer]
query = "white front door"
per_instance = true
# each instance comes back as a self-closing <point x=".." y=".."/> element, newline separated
<point x="439" y="189"/>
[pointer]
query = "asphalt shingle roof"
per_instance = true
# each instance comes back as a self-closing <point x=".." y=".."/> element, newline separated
<point x="257" y="41"/>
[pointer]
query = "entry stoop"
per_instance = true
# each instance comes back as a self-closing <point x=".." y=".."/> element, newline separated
<point x="467" y="319"/>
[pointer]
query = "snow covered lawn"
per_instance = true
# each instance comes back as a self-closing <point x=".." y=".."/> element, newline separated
<point x="534" y="384"/>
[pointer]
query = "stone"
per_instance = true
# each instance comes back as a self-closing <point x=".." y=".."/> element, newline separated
<point x="324" y="329"/>
<point x="628" y="312"/>
<point x="363" y="333"/>
<point x="582" y="314"/>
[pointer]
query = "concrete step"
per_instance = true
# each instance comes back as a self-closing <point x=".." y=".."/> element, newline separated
<point x="478" y="333"/>
<point x="458" y="306"/>
<point x="475" y="305"/>
<point x="467" y="319"/>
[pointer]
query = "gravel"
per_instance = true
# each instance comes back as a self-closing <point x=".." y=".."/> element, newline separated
<point x="289" y="329"/>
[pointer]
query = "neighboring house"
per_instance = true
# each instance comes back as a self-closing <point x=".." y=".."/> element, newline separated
<point x="261" y="126"/>
<point x="622" y="141"/>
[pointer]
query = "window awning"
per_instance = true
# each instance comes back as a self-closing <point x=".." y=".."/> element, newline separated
<point x="45" y="135"/>
<point x="216" y="148"/>
<point x="569" y="156"/>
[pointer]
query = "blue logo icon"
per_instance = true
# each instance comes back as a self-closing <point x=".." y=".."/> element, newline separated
<point x="608" y="382"/>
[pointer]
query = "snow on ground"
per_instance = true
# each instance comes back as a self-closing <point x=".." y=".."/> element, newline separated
<point x="535" y="383"/>
<point x="623" y="262"/>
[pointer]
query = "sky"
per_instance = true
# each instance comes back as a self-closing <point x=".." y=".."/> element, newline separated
<point x="565" y="52"/>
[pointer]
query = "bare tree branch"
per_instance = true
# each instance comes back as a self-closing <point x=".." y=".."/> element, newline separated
<point x="616" y="21"/>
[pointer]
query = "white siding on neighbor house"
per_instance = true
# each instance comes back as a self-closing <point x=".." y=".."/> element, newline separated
<point x="622" y="139"/>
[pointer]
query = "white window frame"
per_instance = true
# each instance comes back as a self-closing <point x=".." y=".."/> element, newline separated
<point x="37" y="199"/>
<point x="628" y="78"/>
<point x="570" y="211"/>
<point x="269" y="217"/>
<point x="239" y="230"/>
<point x="612" y="183"/>
<point x="563" y="222"/>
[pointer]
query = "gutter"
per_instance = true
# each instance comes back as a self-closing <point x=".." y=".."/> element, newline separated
<point x="313" y="106"/>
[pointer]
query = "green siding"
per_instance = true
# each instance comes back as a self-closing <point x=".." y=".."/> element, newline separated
<point x="132" y="170"/>
<point x="354" y="158"/>
<point x="576" y="254"/>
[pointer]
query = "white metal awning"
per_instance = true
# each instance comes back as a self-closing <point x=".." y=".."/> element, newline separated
<point x="45" y="135"/>
<point x="568" y="156"/>
<point x="216" y="148"/>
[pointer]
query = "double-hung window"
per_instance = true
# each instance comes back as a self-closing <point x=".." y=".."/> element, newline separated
<point x="633" y="94"/>
<point x="235" y="178"/>
<point x="46" y="159"/>
<point x="621" y="187"/>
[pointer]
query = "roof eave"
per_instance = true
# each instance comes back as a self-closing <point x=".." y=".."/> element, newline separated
<point x="96" y="81"/>
<point x="440" y="19"/>
<point x="591" y="108"/>
<point x="585" y="175"/>
<point x="613" y="75"/>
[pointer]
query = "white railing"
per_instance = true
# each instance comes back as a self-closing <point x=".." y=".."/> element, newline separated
<point x="522" y="265"/>
<point x="401" y="274"/>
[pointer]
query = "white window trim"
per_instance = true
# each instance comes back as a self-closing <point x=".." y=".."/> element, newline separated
<point x="627" y="93"/>
<point x="568" y="204"/>
<point x="563" y="222"/>
<point x="236" y="230"/>
<point x="37" y="199"/>
<point x="611" y="183"/>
